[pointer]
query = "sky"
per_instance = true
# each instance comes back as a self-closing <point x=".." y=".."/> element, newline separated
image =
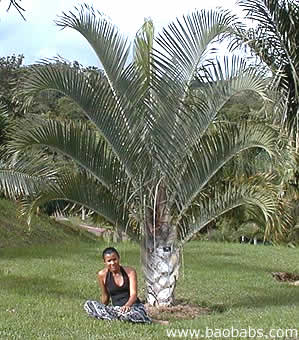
<point x="38" y="37"/>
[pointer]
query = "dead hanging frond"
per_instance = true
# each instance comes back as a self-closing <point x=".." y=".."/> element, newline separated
<point x="17" y="6"/>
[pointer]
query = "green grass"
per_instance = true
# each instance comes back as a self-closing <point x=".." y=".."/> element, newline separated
<point x="43" y="289"/>
<point x="14" y="231"/>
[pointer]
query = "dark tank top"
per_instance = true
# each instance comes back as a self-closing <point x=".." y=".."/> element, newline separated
<point x="119" y="294"/>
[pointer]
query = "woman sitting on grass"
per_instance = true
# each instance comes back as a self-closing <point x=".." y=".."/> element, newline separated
<point x="120" y="284"/>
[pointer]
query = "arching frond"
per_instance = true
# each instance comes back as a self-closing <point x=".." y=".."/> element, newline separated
<point x="258" y="194"/>
<point x="80" y="144"/>
<point x="113" y="51"/>
<point x="186" y="43"/>
<point x="178" y="133"/>
<point x="79" y="189"/>
<point x="26" y="174"/>
<point x="108" y="43"/>
<point x="215" y="150"/>
<point x="274" y="39"/>
<point x="123" y="134"/>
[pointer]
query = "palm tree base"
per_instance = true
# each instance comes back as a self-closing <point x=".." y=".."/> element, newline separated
<point x="161" y="270"/>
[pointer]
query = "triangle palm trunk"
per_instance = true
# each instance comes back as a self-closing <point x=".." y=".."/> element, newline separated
<point x="161" y="263"/>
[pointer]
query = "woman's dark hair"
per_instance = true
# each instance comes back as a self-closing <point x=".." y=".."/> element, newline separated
<point x="109" y="251"/>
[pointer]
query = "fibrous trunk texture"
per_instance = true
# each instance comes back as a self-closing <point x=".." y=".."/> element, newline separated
<point x="161" y="270"/>
<point x="160" y="256"/>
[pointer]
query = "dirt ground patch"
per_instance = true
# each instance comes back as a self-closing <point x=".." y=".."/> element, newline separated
<point x="180" y="310"/>
<point x="290" y="278"/>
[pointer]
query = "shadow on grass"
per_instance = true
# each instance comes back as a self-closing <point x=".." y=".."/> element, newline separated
<point x="37" y="286"/>
<point x="270" y="297"/>
<point x="223" y="265"/>
<point x="222" y="253"/>
<point x="62" y="250"/>
<point x="269" y="293"/>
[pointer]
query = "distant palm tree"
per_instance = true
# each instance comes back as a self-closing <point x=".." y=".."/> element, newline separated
<point x="274" y="39"/>
<point x="3" y="123"/>
<point x="148" y="164"/>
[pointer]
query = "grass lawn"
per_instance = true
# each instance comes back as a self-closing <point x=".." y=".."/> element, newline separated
<point x="14" y="231"/>
<point x="43" y="288"/>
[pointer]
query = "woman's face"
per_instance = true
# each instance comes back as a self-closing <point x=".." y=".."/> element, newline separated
<point x="112" y="262"/>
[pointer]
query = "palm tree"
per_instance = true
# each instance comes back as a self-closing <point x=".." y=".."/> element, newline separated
<point x="149" y="162"/>
<point x="274" y="39"/>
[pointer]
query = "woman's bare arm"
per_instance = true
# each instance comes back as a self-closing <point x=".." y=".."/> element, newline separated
<point x="105" y="295"/>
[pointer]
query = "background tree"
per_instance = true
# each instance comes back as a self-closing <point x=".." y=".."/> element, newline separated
<point x="11" y="72"/>
<point x="148" y="165"/>
<point x="274" y="39"/>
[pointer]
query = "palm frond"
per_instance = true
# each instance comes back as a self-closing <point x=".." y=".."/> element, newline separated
<point x="186" y="43"/>
<point x="178" y="53"/>
<point x="177" y="133"/>
<point x="143" y="49"/>
<point x="215" y="150"/>
<point x="214" y="87"/>
<point x="25" y="174"/>
<point x="258" y="194"/>
<point x="108" y="43"/>
<point x="275" y="37"/>
<point x="125" y="78"/>
<point x="79" y="189"/>
<point x="77" y="142"/>
<point x="274" y="40"/>
<point x="123" y="134"/>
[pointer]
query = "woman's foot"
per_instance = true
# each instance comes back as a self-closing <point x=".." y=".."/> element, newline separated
<point x="161" y="322"/>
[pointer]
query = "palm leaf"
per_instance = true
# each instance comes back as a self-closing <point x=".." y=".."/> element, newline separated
<point x="77" y="142"/>
<point x="79" y="189"/>
<point x="178" y="133"/>
<point x="112" y="49"/>
<point x="105" y="39"/>
<point x="182" y="48"/>
<point x="258" y="195"/>
<point x="187" y="42"/>
<point x="274" y="40"/>
<point x="99" y="105"/>
<point x="143" y="49"/>
<point x="25" y="174"/>
<point x="216" y="150"/>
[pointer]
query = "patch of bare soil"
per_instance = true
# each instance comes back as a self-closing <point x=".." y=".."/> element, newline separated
<point x="290" y="278"/>
<point x="180" y="310"/>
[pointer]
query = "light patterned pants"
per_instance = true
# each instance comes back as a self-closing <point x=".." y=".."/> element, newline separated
<point x="136" y="314"/>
